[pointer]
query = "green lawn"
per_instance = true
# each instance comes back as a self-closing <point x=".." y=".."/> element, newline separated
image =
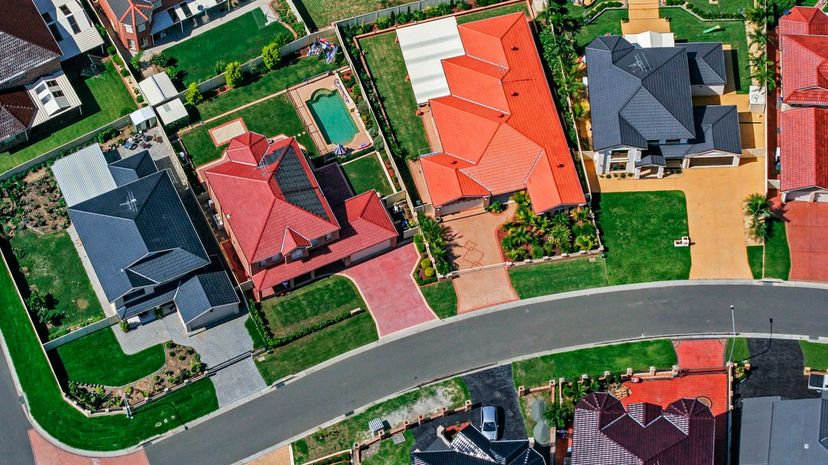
<point x="687" y="27"/>
<point x="64" y="422"/>
<point x="239" y="40"/>
<point x="777" y="255"/>
<point x="740" y="349"/>
<point x="392" y="454"/>
<point x="816" y="354"/>
<point x="52" y="266"/>
<point x="318" y="347"/>
<point x="319" y="14"/>
<point x="271" y="118"/>
<point x="317" y="301"/>
<point x="755" y="258"/>
<point x="255" y="334"/>
<point x="272" y="82"/>
<point x="385" y="60"/>
<point x="103" y="99"/>
<point x="609" y="22"/>
<point x="723" y="6"/>
<point x="639" y="229"/>
<point x="615" y="358"/>
<point x="98" y="359"/>
<point x="340" y="436"/>
<point x="441" y="298"/>
<point x="562" y="276"/>
<point x="492" y="12"/>
<point x="366" y="173"/>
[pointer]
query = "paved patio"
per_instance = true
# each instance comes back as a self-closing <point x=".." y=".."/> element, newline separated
<point x="483" y="288"/>
<point x="474" y="237"/>
<point x="389" y="290"/>
<point x="46" y="453"/>
<point x="807" y="230"/>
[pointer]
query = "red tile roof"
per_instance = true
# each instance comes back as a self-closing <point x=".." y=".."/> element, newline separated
<point x="263" y="220"/>
<point x="499" y="128"/>
<point x="804" y="34"/>
<point x="804" y="148"/>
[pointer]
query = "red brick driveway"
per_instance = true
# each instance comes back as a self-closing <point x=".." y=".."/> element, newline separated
<point x="388" y="288"/>
<point x="45" y="453"/>
<point x="807" y="230"/>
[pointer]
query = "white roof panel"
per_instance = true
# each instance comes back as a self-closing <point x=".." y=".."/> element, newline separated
<point x="83" y="175"/>
<point x="424" y="46"/>
<point x="171" y="111"/>
<point x="158" y="88"/>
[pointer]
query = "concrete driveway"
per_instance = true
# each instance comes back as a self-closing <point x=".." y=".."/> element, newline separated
<point x="715" y="198"/>
<point x="483" y="288"/>
<point x="495" y="387"/>
<point x="389" y="290"/>
<point x="807" y="229"/>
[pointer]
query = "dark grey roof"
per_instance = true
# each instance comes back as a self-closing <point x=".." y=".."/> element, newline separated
<point x="470" y="447"/>
<point x="707" y="65"/>
<point x="138" y="233"/>
<point x="202" y="292"/>
<point x="161" y="295"/>
<point x="120" y="7"/>
<point x="717" y="128"/>
<point x="294" y="183"/>
<point x="126" y="170"/>
<point x="638" y="94"/>
<point x="651" y="160"/>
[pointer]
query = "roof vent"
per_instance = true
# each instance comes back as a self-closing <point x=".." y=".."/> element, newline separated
<point x="454" y="162"/>
<point x="515" y="48"/>
<point x="560" y="165"/>
<point x="227" y="215"/>
<point x="501" y="115"/>
<point x="515" y="94"/>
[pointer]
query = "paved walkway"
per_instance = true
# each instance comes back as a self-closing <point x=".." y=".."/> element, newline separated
<point x="390" y="292"/>
<point x="643" y="15"/>
<point x="807" y="231"/>
<point x="474" y="237"/>
<point x="700" y="353"/>
<point x="46" y="453"/>
<point x="714" y="213"/>
<point x="483" y="288"/>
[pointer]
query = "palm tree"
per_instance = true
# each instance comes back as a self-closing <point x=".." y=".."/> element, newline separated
<point x="585" y="242"/>
<point x="561" y="237"/>
<point x="579" y="215"/>
<point x="765" y="74"/>
<point x="758" y="209"/>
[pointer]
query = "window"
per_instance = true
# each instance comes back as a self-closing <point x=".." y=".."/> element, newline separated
<point x="40" y="88"/>
<point x="128" y="27"/>
<point x="142" y="27"/>
<point x="297" y="254"/>
<point x="47" y="17"/>
<point x="131" y="44"/>
<point x="55" y="31"/>
<point x="144" y="42"/>
<point x="618" y="166"/>
<point x="52" y="83"/>
<point x="73" y="24"/>
<point x="65" y="10"/>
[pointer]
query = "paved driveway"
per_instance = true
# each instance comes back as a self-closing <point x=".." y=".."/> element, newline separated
<point x="474" y="237"/>
<point x="390" y="292"/>
<point x="807" y="230"/>
<point x="483" y="288"/>
<point x="495" y="387"/>
<point x="776" y="370"/>
<point x="45" y="453"/>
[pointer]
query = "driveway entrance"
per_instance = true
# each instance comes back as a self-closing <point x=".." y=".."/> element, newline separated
<point x="807" y="228"/>
<point x="483" y="288"/>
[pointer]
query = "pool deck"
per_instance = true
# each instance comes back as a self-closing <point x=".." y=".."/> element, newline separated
<point x="303" y="92"/>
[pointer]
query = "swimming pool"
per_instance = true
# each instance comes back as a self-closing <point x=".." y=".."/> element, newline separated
<point x="332" y="117"/>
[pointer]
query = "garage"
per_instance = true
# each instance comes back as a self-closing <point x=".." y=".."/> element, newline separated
<point x="373" y="250"/>
<point x="461" y="205"/>
<point x="702" y="162"/>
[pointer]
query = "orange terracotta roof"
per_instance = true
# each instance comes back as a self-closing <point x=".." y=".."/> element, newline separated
<point x="501" y="121"/>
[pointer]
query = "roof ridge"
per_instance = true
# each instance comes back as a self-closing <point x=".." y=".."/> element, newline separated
<point x="692" y="130"/>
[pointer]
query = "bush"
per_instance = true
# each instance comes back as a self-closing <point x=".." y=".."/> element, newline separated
<point x="270" y="56"/>
<point x="428" y="272"/>
<point x="162" y="59"/>
<point x="233" y="74"/>
<point x="139" y="99"/>
<point x="124" y="72"/>
<point x="425" y="263"/>
<point x="173" y="73"/>
<point x="192" y="96"/>
<point x="111" y="50"/>
<point x="496" y="207"/>
<point x="384" y="23"/>
<point x="117" y="60"/>
<point x="418" y="243"/>
<point x="135" y="61"/>
<point x="220" y="67"/>
<point x="124" y="326"/>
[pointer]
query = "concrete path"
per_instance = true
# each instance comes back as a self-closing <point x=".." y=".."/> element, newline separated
<point x="46" y="453"/>
<point x="807" y="231"/>
<point x="389" y="290"/>
<point x="643" y="16"/>
<point x="483" y="288"/>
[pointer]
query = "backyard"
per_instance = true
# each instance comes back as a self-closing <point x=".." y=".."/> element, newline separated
<point x="722" y="6"/>
<point x="426" y="400"/>
<point x="594" y="361"/>
<point x="638" y="230"/>
<point x="64" y="422"/>
<point x="561" y="276"/>
<point x="51" y="265"/>
<point x="239" y="40"/>
<point x="366" y="173"/>
<point x="492" y="12"/>
<point x="441" y="298"/>
<point x="104" y="98"/>
<point x="272" y="117"/>
<point x="319" y="14"/>
<point x="98" y="359"/>
<point x="609" y="22"/>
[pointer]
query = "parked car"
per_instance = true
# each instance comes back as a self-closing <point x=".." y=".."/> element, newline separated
<point x="488" y="422"/>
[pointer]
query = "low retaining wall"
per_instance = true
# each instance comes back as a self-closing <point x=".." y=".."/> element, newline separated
<point x="79" y="333"/>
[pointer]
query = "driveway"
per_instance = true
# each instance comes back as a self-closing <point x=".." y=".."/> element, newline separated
<point x="807" y="229"/>
<point x="643" y="16"/>
<point x="483" y="288"/>
<point x="776" y="370"/>
<point x="495" y="387"/>
<point x="700" y="353"/>
<point x="474" y="237"/>
<point x="45" y="453"/>
<point x="389" y="290"/>
<point x="714" y="213"/>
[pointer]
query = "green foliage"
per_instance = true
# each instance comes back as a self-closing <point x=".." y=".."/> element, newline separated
<point x="758" y="209"/>
<point x="44" y="306"/>
<point x="233" y="74"/>
<point x="418" y="243"/>
<point x="219" y="67"/>
<point x="495" y="207"/>
<point x="162" y="59"/>
<point x="270" y="56"/>
<point x="193" y="96"/>
<point x="173" y="73"/>
<point x="135" y="61"/>
<point x="437" y="237"/>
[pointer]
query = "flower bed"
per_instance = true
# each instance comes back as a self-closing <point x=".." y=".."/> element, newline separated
<point x="32" y="200"/>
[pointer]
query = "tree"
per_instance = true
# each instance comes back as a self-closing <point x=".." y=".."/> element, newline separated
<point x="270" y="56"/>
<point x="580" y="215"/>
<point x="193" y="96"/>
<point x="135" y="61"/>
<point x="561" y="237"/>
<point x="233" y="74"/>
<point x="758" y="209"/>
<point x="44" y="306"/>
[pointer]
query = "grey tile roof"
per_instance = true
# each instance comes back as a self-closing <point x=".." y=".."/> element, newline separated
<point x="202" y="292"/>
<point x="707" y="65"/>
<point x="651" y="160"/>
<point x="160" y="296"/>
<point x="140" y="227"/>
<point x="121" y="7"/>
<point x="717" y="128"/>
<point x="126" y="170"/>
<point x="470" y="447"/>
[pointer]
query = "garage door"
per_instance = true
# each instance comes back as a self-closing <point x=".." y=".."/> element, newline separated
<point x="371" y="251"/>
<point x="711" y="161"/>
<point x="461" y="205"/>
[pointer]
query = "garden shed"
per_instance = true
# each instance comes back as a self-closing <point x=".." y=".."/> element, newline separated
<point x="143" y="118"/>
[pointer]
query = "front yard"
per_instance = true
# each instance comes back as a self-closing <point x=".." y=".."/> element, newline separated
<point x="103" y="99"/>
<point x="426" y="400"/>
<point x="561" y="276"/>
<point x="441" y="298"/>
<point x="815" y="354"/>
<point x="239" y="40"/>
<point x="638" y="230"/>
<point x="366" y="173"/>
<point x="51" y="265"/>
<point x="774" y="255"/>
<point x="272" y="117"/>
<point x="390" y="453"/>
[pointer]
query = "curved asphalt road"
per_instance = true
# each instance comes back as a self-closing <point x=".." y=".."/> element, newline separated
<point x="526" y="328"/>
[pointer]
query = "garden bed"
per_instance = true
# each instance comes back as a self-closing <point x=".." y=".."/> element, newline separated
<point x="32" y="201"/>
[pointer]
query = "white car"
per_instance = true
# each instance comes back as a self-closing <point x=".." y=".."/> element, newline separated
<point x="488" y="422"/>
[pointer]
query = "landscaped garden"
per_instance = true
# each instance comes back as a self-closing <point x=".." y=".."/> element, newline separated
<point x="341" y="436"/>
<point x="638" y="230"/>
<point x="272" y="117"/>
<point x="103" y="99"/>
<point x="239" y="40"/>
<point x="67" y="424"/>
<point x="366" y="173"/>
<point x="561" y="276"/>
<point x="772" y="258"/>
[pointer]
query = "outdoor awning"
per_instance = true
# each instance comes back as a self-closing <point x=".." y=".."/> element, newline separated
<point x="142" y="115"/>
<point x="193" y="7"/>
<point x="171" y="111"/>
<point x="161" y="21"/>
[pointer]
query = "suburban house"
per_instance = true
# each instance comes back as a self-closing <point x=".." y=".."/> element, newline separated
<point x="496" y="129"/>
<point x="71" y="27"/>
<point x="141" y="243"/>
<point x="776" y="431"/>
<point x="803" y="144"/>
<point x="470" y="447"/>
<point x="605" y="432"/>
<point x="33" y="87"/>
<point x="282" y="225"/>
<point x="139" y="23"/>
<point x="641" y="90"/>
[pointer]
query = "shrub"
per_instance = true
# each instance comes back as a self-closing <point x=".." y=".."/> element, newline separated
<point x="220" y="67"/>
<point x="233" y="74"/>
<point x="192" y="96"/>
<point x="129" y="390"/>
<point x="111" y="50"/>
<point x="173" y="73"/>
<point x="496" y="207"/>
<point x="135" y="61"/>
<point x="428" y="272"/>
<point x="418" y="243"/>
<point x="162" y="59"/>
<point x="139" y="99"/>
<point x="117" y="60"/>
<point x="270" y="56"/>
<point x="124" y="72"/>
<point x="425" y="263"/>
<point x="384" y="23"/>
<point x="124" y="326"/>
